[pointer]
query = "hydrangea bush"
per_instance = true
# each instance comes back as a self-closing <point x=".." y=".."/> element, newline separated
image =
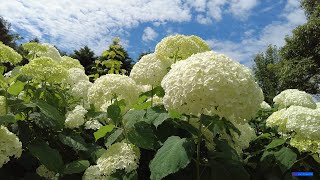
<point x="185" y="112"/>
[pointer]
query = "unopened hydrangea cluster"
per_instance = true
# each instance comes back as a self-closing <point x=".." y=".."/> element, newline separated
<point x="9" y="145"/>
<point x="7" y="54"/>
<point x="179" y="47"/>
<point x="294" y="97"/>
<point x="113" y="86"/>
<point x="76" y="117"/>
<point x="120" y="156"/>
<point x="45" y="173"/>
<point x="301" y="119"/>
<point x="149" y="70"/>
<point x="2" y="105"/>
<point x="211" y="83"/>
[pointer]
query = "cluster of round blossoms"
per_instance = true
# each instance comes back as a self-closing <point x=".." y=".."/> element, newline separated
<point x="9" y="145"/>
<point x="211" y="83"/>
<point x="7" y="54"/>
<point x="120" y="156"/>
<point x="300" y="119"/>
<point x="110" y="87"/>
<point x="75" y="118"/>
<point x="68" y="63"/>
<point x="45" y="173"/>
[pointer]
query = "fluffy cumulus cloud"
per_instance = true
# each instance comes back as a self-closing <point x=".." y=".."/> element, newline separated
<point x="273" y="33"/>
<point x="149" y="34"/>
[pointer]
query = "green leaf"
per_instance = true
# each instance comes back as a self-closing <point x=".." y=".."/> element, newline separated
<point x="103" y="131"/>
<point x="175" y="154"/>
<point x="74" y="141"/>
<point x="275" y="143"/>
<point x="227" y="169"/>
<point x="76" y="167"/>
<point x="286" y="157"/>
<point x="46" y="155"/>
<point x="114" y="112"/>
<point x="9" y="118"/>
<point x="133" y="116"/>
<point x="142" y="135"/>
<point x="264" y="136"/>
<point x="16" y="88"/>
<point x="156" y="115"/>
<point x="113" y="137"/>
<point x="51" y="112"/>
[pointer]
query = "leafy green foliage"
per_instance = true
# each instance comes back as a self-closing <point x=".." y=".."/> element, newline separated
<point x="51" y="112"/>
<point x="103" y="131"/>
<point x="174" y="155"/>
<point x="76" y="167"/>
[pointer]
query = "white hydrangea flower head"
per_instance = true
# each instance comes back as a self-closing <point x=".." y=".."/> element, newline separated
<point x="51" y="52"/>
<point x="80" y="89"/>
<point x="156" y="100"/>
<point x="318" y="105"/>
<point x="9" y="145"/>
<point x="75" y="118"/>
<point x="211" y="83"/>
<point x="93" y="124"/>
<point x="44" y="69"/>
<point x="69" y="62"/>
<point x="294" y="97"/>
<point x="120" y="156"/>
<point x="93" y="173"/>
<point x="304" y="121"/>
<point x="2" y="106"/>
<point x="179" y="47"/>
<point x="7" y="54"/>
<point x="45" y="173"/>
<point x="75" y="75"/>
<point x="149" y="70"/>
<point x="111" y="86"/>
<point x="265" y="106"/>
<point x="304" y="144"/>
<point x="34" y="47"/>
<point x="278" y="119"/>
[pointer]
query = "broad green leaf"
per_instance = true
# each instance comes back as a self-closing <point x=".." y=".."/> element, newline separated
<point x="114" y="112"/>
<point x="113" y="137"/>
<point x="16" y="88"/>
<point x="103" y="131"/>
<point x="133" y="116"/>
<point x="286" y="157"/>
<point x="264" y="136"/>
<point x="275" y="143"/>
<point x="175" y="154"/>
<point x="47" y="156"/>
<point x="76" y="167"/>
<point x="156" y="115"/>
<point x="142" y="135"/>
<point x="9" y="118"/>
<point x="227" y="169"/>
<point x="51" y="112"/>
<point x="95" y="152"/>
<point x="74" y="141"/>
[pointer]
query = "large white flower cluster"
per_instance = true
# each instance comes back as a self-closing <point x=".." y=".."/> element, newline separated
<point x="51" y="52"/>
<point x="278" y="119"/>
<point x="7" y="54"/>
<point x="120" y="156"/>
<point x="76" y="117"/>
<point x="113" y="86"/>
<point x="45" y="173"/>
<point x="9" y="145"/>
<point x="69" y="62"/>
<point x="93" y="124"/>
<point x="179" y="47"/>
<point x="2" y="105"/>
<point x="295" y="97"/>
<point x="211" y="83"/>
<point x="149" y="70"/>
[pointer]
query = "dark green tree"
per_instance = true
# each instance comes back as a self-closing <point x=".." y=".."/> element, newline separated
<point x="86" y="57"/>
<point x="301" y="53"/>
<point x="6" y="37"/>
<point x="265" y="72"/>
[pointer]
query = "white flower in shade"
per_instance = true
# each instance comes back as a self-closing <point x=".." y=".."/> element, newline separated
<point x="265" y="106"/>
<point x="120" y="156"/>
<point x="149" y="70"/>
<point x="211" y="83"/>
<point x="9" y="145"/>
<point x="45" y="173"/>
<point x="156" y="100"/>
<point x="304" y="144"/>
<point x="7" y="54"/>
<point x="179" y="47"/>
<point x="75" y="75"/>
<point x="294" y="97"/>
<point x="318" y="105"/>
<point x="2" y="105"/>
<point x="68" y="63"/>
<point x="93" y="124"/>
<point x="75" y="118"/>
<point x="51" y="52"/>
<point x="113" y="86"/>
<point x="278" y="119"/>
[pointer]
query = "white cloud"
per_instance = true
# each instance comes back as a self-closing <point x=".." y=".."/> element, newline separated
<point x="241" y="8"/>
<point x="274" y="33"/>
<point x="149" y="34"/>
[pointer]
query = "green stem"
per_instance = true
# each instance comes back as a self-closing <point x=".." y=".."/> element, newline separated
<point x="152" y="96"/>
<point x="198" y="150"/>
<point x="6" y="103"/>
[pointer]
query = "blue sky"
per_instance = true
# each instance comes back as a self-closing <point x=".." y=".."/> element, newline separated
<point x="237" y="28"/>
